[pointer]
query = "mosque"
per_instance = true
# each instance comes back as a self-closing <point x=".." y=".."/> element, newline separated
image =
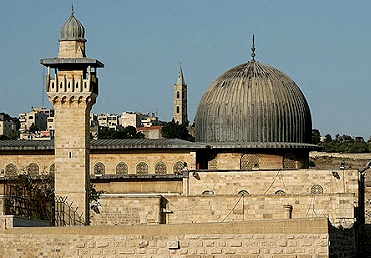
<point x="250" y="160"/>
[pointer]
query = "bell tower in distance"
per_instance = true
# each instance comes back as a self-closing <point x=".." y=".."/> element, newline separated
<point x="180" y="99"/>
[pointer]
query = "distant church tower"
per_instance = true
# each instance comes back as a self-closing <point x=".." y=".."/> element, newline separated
<point x="72" y="89"/>
<point x="180" y="99"/>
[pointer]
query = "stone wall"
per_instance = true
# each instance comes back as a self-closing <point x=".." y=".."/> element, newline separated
<point x="137" y="186"/>
<point x="174" y="209"/>
<point x="22" y="159"/>
<point x="44" y="159"/>
<point x="280" y="238"/>
<point x="268" y="182"/>
<point x="132" y="157"/>
<point x="338" y="208"/>
<point x="363" y="156"/>
<point x="128" y="210"/>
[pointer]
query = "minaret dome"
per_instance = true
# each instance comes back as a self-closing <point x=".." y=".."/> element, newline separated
<point x="72" y="29"/>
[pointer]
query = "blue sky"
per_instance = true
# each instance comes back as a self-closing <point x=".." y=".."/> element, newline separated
<point x="324" y="46"/>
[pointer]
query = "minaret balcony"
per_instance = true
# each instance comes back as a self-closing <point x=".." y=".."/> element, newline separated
<point x="72" y="85"/>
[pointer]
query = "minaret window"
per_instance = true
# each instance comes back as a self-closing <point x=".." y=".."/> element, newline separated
<point x="177" y="94"/>
<point x="52" y="85"/>
<point x="177" y="109"/>
<point x="61" y="85"/>
<point x="77" y="85"/>
<point x="69" y="85"/>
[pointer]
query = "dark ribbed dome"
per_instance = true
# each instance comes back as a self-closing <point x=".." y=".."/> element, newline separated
<point x="253" y="102"/>
<point x="72" y="29"/>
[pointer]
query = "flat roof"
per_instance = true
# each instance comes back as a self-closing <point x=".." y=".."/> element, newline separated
<point x="102" y="144"/>
<point x="58" y="62"/>
<point x="117" y="144"/>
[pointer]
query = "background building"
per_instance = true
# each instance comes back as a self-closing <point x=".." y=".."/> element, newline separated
<point x="36" y="118"/>
<point x="6" y="126"/>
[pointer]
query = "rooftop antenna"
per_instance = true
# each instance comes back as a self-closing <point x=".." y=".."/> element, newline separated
<point x="253" y="48"/>
<point x="43" y="88"/>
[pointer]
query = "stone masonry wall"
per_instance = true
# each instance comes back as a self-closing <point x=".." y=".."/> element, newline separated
<point x="172" y="209"/>
<point x="268" y="182"/>
<point x="339" y="209"/>
<point x="42" y="159"/>
<point x="282" y="238"/>
<point x="133" y="157"/>
<point x="129" y="210"/>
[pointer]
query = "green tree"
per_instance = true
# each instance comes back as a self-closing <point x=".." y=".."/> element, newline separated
<point x="129" y="132"/>
<point x="316" y="136"/>
<point x="105" y="133"/>
<point x="328" y="138"/>
<point x="13" y="135"/>
<point x="175" y="130"/>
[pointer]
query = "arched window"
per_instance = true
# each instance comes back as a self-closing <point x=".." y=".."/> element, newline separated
<point x="316" y="189"/>
<point x="33" y="169"/>
<point x="142" y="168"/>
<point x="69" y="85"/>
<point x="280" y="192"/>
<point x="289" y="161"/>
<point x="177" y="109"/>
<point x="77" y="85"/>
<point x="160" y="168"/>
<point x="178" y="167"/>
<point x="52" y="85"/>
<point x="243" y="192"/>
<point x="122" y="169"/>
<point x="177" y="95"/>
<point x="61" y="85"/>
<point x="249" y="162"/>
<point x="52" y="168"/>
<point x="11" y="170"/>
<point x="99" y="168"/>
<point x="208" y="192"/>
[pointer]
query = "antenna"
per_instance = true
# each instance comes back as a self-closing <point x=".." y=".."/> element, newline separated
<point x="43" y="88"/>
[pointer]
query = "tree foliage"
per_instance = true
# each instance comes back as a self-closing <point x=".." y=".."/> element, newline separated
<point x="128" y="132"/>
<point x="316" y="136"/>
<point x="12" y="135"/>
<point x="175" y="130"/>
<point x="342" y="143"/>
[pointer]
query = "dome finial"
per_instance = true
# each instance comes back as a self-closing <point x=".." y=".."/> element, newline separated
<point x="253" y="48"/>
<point x="72" y="11"/>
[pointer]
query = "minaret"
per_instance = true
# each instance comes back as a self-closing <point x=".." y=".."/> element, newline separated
<point x="180" y="99"/>
<point x="72" y="89"/>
